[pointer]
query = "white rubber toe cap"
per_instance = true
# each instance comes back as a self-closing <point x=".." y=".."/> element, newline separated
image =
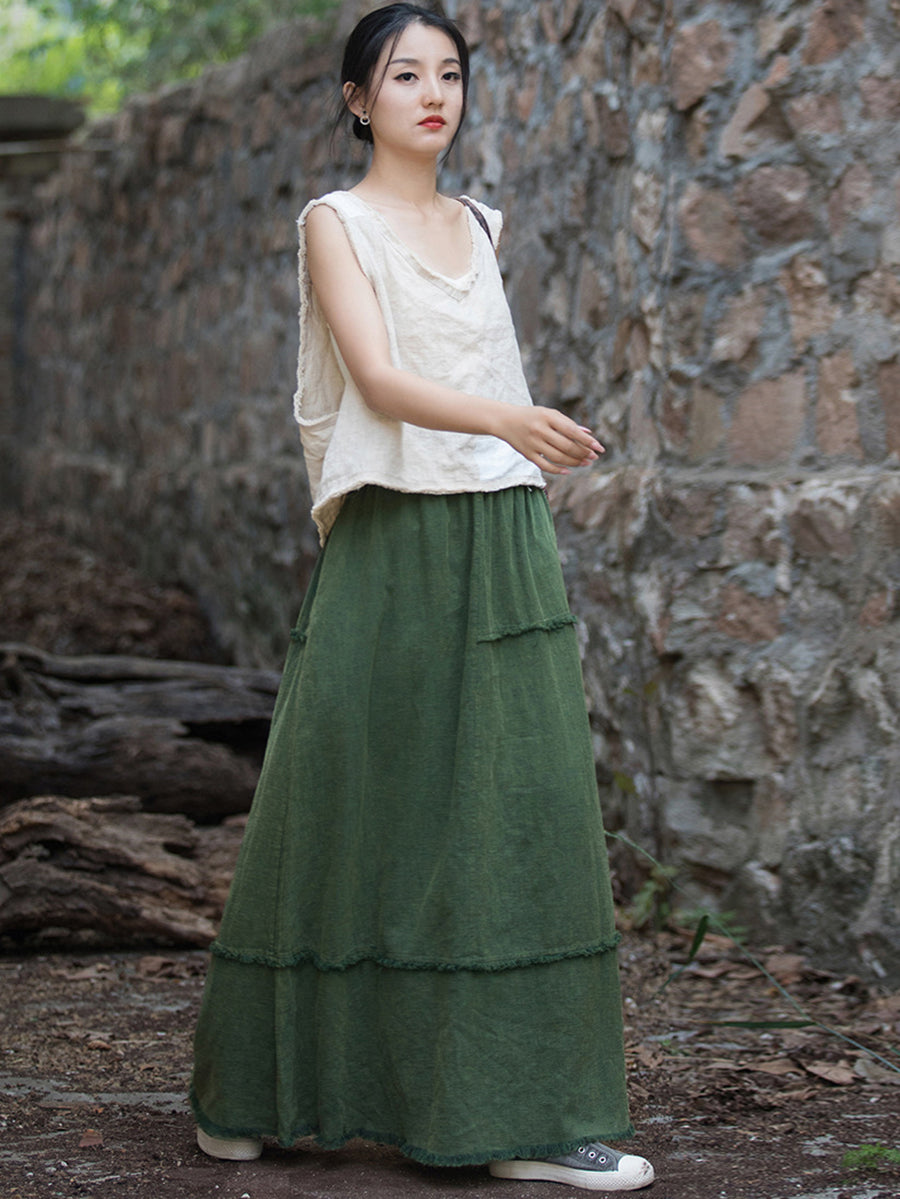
<point x="636" y="1168"/>
<point x="232" y="1149"/>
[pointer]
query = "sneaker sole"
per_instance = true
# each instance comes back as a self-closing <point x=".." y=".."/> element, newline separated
<point x="588" y="1180"/>
<point x="240" y="1149"/>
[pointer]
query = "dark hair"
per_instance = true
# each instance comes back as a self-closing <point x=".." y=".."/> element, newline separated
<point x="386" y="25"/>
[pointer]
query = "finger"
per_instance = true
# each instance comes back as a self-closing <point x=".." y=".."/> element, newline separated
<point x="580" y="434"/>
<point x="577" y="437"/>
<point x="563" y="459"/>
<point x="561" y="448"/>
<point x="586" y="441"/>
<point x="548" y="466"/>
<point x="595" y="444"/>
<point x="550" y="422"/>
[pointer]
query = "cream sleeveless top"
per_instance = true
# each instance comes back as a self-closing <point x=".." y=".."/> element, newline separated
<point x="455" y="331"/>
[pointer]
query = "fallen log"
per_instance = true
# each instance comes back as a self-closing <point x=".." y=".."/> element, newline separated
<point x="181" y="736"/>
<point x="101" y="871"/>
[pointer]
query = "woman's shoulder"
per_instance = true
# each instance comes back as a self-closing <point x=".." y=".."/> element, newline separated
<point x="344" y="203"/>
<point x="493" y="216"/>
<point x="330" y="222"/>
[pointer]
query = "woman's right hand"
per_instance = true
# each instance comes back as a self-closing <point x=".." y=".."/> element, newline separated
<point x="548" y="438"/>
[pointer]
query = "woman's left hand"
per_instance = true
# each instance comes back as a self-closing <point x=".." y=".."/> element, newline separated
<point x="548" y="438"/>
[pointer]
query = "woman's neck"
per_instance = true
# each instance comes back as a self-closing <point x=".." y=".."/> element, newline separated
<point x="411" y="184"/>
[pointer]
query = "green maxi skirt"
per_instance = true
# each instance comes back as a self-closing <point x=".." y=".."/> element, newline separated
<point x="418" y="946"/>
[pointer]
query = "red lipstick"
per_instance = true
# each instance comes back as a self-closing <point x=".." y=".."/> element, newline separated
<point x="433" y="122"/>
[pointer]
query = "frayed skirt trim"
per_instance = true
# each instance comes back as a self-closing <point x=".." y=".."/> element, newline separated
<point x="426" y="1158"/>
<point x="309" y="956"/>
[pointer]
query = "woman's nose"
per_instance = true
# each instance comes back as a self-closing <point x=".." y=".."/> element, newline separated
<point x="433" y="93"/>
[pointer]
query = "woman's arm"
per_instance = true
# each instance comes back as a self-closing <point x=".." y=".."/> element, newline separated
<point x="544" y="436"/>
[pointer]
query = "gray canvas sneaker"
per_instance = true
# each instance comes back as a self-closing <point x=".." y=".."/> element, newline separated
<point x="593" y="1167"/>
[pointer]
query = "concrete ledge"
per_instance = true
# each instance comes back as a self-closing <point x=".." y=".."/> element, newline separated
<point x="26" y="117"/>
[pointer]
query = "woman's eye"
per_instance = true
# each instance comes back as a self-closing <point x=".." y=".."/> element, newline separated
<point x="453" y="76"/>
<point x="406" y="76"/>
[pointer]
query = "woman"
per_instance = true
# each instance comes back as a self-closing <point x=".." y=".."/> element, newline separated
<point x="418" y="947"/>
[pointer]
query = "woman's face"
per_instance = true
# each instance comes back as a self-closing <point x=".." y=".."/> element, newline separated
<point x="418" y="105"/>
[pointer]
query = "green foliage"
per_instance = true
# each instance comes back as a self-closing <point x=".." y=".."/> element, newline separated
<point x="670" y="1046"/>
<point x="101" y="50"/>
<point x="724" y="923"/>
<point x="870" y="1157"/>
<point x="36" y="56"/>
<point x="652" y="906"/>
<point x="625" y="783"/>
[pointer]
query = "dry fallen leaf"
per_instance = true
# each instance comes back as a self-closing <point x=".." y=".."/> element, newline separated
<point x="794" y="1038"/>
<point x="90" y="1139"/>
<point x="786" y="968"/>
<point x="648" y="1057"/>
<point x="716" y="970"/>
<point x="800" y="1095"/>
<point x="778" y="1067"/>
<point x="156" y="966"/>
<point x="838" y="1073"/>
<point x="870" y="1028"/>
<point x="871" y="1071"/>
<point x="77" y="974"/>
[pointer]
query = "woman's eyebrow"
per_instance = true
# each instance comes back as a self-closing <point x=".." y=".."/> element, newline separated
<point x="414" y="62"/>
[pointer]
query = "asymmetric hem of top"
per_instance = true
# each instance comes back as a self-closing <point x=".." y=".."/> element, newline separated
<point x="468" y="343"/>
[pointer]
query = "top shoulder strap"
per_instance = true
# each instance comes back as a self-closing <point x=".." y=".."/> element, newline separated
<point x="479" y="216"/>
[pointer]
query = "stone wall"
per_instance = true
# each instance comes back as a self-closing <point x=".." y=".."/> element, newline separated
<point x="703" y="256"/>
<point x="162" y="335"/>
<point x="33" y="135"/>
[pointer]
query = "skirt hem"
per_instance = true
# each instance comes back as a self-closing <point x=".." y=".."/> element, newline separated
<point x="415" y="1152"/>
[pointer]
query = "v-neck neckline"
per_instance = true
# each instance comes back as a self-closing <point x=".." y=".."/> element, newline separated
<point x="457" y="282"/>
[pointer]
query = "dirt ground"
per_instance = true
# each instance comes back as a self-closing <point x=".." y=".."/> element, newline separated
<point x="96" y="1052"/>
<point x="95" y="1047"/>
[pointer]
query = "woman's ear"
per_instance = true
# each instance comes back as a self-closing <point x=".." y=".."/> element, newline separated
<point x="353" y="99"/>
